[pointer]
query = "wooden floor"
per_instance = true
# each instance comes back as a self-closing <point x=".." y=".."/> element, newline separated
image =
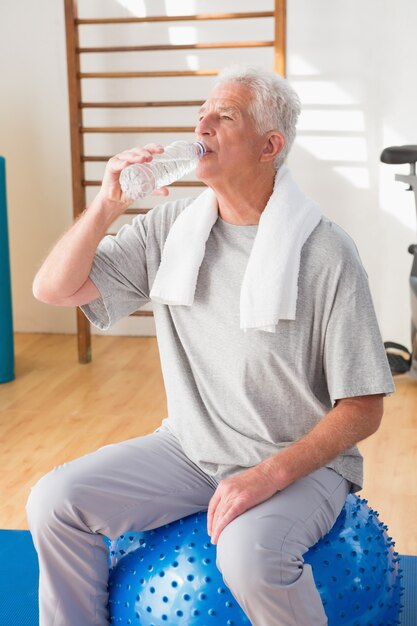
<point x="56" y="410"/>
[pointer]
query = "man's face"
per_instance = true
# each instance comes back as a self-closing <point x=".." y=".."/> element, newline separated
<point x="229" y="134"/>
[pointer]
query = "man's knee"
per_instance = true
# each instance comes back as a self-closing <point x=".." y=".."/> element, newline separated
<point x="50" y="498"/>
<point x="250" y="560"/>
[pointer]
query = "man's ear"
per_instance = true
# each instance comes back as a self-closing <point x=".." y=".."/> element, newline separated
<point x="274" y="144"/>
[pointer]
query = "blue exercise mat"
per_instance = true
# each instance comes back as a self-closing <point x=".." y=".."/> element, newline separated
<point x="6" y="320"/>
<point x="19" y="574"/>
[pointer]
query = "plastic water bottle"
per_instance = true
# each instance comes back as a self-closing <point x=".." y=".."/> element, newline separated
<point x="178" y="159"/>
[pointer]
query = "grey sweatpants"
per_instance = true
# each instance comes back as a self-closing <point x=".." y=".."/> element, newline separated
<point x="146" y="482"/>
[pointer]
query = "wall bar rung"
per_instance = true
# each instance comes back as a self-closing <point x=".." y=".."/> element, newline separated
<point x="133" y="105"/>
<point x="173" y="47"/>
<point x="173" y="18"/>
<point x="163" y="74"/>
<point x="138" y="129"/>
<point x="182" y="183"/>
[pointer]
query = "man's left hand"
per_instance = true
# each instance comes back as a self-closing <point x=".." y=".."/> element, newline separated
<point x="236" y="495"/>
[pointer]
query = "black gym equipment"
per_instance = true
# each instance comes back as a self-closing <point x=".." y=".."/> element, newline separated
<point x="401" y="360"/>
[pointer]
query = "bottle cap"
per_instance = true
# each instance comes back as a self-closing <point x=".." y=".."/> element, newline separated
<point x="202" y="148"/>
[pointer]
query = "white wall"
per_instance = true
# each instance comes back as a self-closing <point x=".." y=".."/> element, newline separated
<point x="350" y="62"/>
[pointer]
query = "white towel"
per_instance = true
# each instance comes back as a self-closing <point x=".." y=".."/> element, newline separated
<point x="270" y="284"/>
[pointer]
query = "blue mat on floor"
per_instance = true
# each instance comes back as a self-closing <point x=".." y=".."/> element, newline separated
<point x="19" y="581"/>
<point x="19" y="573"/>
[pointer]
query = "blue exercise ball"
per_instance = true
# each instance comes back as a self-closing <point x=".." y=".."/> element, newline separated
<point x="356" y="569"/>
<point x="168" y="576"/>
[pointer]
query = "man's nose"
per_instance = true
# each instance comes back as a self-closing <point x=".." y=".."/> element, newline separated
<point x="205" y="126"/>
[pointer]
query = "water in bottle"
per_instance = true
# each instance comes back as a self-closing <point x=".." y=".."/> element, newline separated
<point x="177" y="160"/>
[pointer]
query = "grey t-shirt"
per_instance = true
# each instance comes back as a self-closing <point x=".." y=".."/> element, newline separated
<point x="235" y="398"/>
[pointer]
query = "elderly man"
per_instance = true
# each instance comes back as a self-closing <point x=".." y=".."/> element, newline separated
<point x="273" y="371"/>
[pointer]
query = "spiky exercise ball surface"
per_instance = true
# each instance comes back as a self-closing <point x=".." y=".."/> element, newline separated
<point x="168" y="576"/>
<point x="357" y="570"/>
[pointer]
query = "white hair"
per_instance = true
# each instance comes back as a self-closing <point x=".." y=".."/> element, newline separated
<point x="275" y="105"/>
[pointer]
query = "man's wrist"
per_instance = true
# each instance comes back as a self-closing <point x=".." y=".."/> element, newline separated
<point x="109" y="209"/>
<point x="273" y="469"/>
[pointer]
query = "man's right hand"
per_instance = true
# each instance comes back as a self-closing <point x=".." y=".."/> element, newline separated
<point x="110" y="191"/>
<point x="63" y="278"/>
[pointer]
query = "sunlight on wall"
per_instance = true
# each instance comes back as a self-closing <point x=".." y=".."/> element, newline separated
<point x="355" y="174"/>
<point x="300" y="67"/>
<point x="185" y="7"/>
<point x="182" y="34"/>
<point x="332" y="120"/>
<point x="331" y="134"/>
<point x="185" y="35"/>
<point x="392" y="138"/>
<point x="321" y="92"/>
<point x="335" y="148"/>
<point x="192" y="61"/>
<point x="135" y="7"/>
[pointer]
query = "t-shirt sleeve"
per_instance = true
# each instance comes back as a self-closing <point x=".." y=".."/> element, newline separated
<point x="355" y="362"/>
<point x="119" y="272"/>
